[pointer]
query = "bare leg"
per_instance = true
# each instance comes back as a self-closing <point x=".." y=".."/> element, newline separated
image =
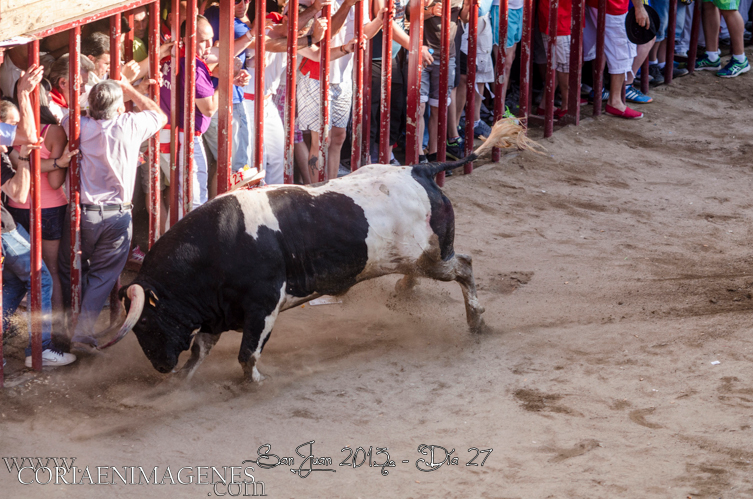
<point x="453" y="120"/>
<point x="643" y="51"/>
<point x="421" y="127"/>
<point x="433" y="125"/>
<point x="50" y="256"/>
<point x="202" y="344"/>
<point x="336" y="141"/>
<point x="736" y="28"/>
<point x="314" y="157"/>
<point x="563" y="81"/>
<point x="711" y="24"/>
<point x="301" y="158"/>
<point x="615" y="91"/>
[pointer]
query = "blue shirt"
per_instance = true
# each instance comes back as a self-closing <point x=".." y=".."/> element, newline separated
<point x="7" y="134"/>
<point x="213" y="16"/>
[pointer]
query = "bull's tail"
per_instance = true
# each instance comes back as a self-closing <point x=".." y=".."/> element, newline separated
<point x="506" y="133"/>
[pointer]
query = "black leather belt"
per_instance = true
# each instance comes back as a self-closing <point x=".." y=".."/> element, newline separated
<point x="107" y="207"/>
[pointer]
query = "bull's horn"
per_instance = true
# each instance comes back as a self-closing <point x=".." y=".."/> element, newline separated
<point x="136" y="295"/>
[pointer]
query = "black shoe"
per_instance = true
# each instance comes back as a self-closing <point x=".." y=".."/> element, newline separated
<point x="657" y="73"/>
<point x="422" y="159"/>
<point x="431" y="157"/>
<point x="455" y="149"/>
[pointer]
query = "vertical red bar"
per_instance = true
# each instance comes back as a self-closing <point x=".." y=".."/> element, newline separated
<point x="601" y="24"/>
<point x="2" y="357"/>
<point x="576" y="61"/>
<point x="225" y="117"/>
<point x="470" y="94"/>
<point x="444" y="84"/>
<point x="115" y="46"/>
<point x="74" y="171"/>
<point x="290" y="91"/>
<point x="366" y="122"/>
<point x="324" y="48"/>
<point x="35" y="224"/>
<point x="384" y="129"/>
<point x="499" y="99"/>
<point x="154" y="150"/>
<point x="260" y="24"/>
<point x="413" y="142"/>
<point x="644" y="79"/>
<point x="175" y="170"/>
<point x="670" y="61"/>
<point x="694" y="35"/>
<point x="115" y="75"/>
<point x="358" y="84"/>
<point x="128" y="55"/>
<point x="551" y="70"/>
<point x="189" y="105"/>
<point x="526" y="53"/>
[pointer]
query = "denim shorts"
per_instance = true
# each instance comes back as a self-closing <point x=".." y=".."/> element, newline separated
<point x="52" y="221"/>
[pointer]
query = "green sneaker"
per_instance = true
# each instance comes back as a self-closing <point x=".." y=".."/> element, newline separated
<point x="704" y="63"/>
<point x="734" y="68"/>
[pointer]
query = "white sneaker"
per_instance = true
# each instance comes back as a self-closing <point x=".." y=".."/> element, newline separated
<point x="51" y="358"/>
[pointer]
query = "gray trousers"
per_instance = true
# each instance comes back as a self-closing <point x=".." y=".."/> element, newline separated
<point x="105" y="243"/>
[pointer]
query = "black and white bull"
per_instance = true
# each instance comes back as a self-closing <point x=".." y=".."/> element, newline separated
<point x="239" y="260"/>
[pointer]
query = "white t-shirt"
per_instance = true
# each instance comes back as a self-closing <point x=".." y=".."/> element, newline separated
<point x="9" y="75"/>
<point x="514" y="4"/>
<point x="110" y="154"/>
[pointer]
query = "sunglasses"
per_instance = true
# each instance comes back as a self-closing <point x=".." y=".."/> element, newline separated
<point x="239" y="1"/>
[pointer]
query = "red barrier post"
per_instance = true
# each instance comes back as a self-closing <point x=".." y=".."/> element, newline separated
<point x="74" y="171"/>
<point x="189" y="104"/>
<point x="225" y="116"/>
<point x="358" y="84"/>
<point x="444" y="84"/>
<point x="694" y="35"/>
<point x="526" y="57"/>
<point x="670" y="61"/>
<point x="35" y="224"/>
<point x="470" y="95"/>
<point x="260" y="24"/>
<point x="154" y="149"/>
<point x="324" y="48"/>
<point x="601" y="24"/>
<point x="499" y="100"/>
<point x="175" y="170"/>
<point x="115" y="75"/>
<point x="290" y="82"/>
<point x="366" y="123"/>
<point x="384" y="129"/>
<point x="576" y="62"/>
<point x="551" y="70"/>
<point x="413" y="142"/>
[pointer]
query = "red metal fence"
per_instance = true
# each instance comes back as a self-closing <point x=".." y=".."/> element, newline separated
<point x="181" y="202"/>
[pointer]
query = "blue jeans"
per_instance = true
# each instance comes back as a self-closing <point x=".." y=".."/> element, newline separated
<point x="241" y="137"/>
<point x="17" y="281"/>
<point x="662" y="8"/>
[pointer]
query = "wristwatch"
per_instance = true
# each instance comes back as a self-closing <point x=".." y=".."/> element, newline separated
<point x="308" y="40"/>
<point x="24" y="158"/>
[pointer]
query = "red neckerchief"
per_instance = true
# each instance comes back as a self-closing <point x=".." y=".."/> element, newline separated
<point x="165" y="33"/>
<point x="58" y="98"/>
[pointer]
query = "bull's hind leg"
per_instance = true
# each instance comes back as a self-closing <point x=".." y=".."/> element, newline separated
<point x="256" y="332"/>
<point x="459" y="268"/>
<point x="202" y="344"/>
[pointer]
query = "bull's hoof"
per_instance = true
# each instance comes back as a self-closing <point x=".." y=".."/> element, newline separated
<point x="405" y="285"/>
<point x="256" y="376"/>
<point x="478" y="326"/>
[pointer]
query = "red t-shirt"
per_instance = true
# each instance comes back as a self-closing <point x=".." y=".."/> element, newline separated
<point x="564" y="14"/>
<point x="614" y="7"/>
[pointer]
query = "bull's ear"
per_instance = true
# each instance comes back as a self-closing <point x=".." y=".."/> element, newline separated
<point x="152" y="298"/>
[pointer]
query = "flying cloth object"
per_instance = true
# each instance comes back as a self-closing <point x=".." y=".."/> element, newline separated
<point x="637" y="33"/>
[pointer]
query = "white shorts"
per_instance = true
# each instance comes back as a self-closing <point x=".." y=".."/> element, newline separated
<point x="562" y="52"/>
<point x="619" y="51"/>
<point x="200" y="193"/>
<point x="308" y="103"/>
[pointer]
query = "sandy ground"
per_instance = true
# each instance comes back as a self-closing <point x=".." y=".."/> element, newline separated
<point x="614" y="270"/>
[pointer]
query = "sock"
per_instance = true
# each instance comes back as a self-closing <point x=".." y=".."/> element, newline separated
<point x="478" y="122"/>
<point x="431" y="157"/>
<point x="739" y="58"/>
<point x="655" y="61"/>
<point x="713" y="56"/>
<point x="662" y="64"/>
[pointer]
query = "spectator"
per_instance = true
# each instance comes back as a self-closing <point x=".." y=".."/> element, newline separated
<point x="341" y="86"/>
<point x="243" y="38"/>
<point x="141" y="33"/>
<point x="620" y="52"/>
<point x="53" y="198"/>
<point x="430" y="78"/>
<point x="60" y="88"/>
<point x="738" y="63"/>
<point x="484" y="65"/>
<point x="96" y="48"/>
<point x="15" y="239"/>
<point x="398" y="89"/>
<point x="110" y="141"/>
<point x="514" y="35"/>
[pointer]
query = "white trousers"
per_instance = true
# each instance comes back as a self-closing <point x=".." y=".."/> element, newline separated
<point x="200" y="174"/>
<point x="274" y="140"/>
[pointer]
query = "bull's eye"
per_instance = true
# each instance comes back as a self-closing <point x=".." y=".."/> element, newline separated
<point x="143" y="320"/>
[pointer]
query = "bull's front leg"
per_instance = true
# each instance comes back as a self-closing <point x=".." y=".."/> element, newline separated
<point x="255" y="333"/>
<point x="202" y="344"/>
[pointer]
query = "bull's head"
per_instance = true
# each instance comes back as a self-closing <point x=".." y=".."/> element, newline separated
<point x="161" y="338"/>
